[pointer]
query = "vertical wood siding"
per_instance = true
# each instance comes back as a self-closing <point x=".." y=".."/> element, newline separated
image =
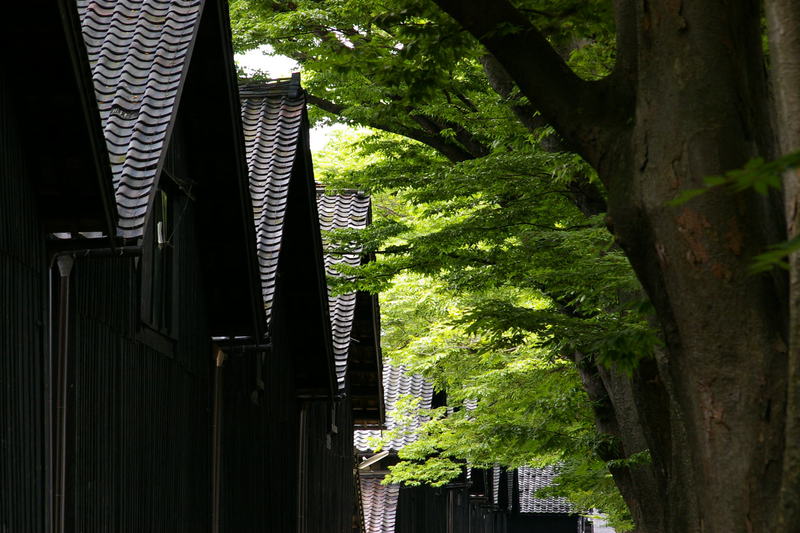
<point x="22" y="335"/>
<point x="140" y="414"/>
<point x="259" y="445"/>
<point x="329" y="479"/>
<point x="422" y="508"/>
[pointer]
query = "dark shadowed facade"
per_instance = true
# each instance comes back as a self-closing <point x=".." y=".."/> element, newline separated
<point x="123" y="251"/>
<point x="356" y="348"/>
<point x="264" y="382"/>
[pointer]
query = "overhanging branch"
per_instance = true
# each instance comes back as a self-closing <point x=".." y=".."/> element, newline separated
<point x="450" y="151"/>
<point x="576" y="108"/>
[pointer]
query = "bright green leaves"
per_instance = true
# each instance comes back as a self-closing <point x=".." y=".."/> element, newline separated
<point x="492" y="278"/>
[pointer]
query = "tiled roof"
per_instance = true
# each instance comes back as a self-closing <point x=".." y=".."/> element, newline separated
<point x="138" y="51"/>
<point x="342" y="211"/>
<point x="496" y="471"/>
<point x="532" y="479"/>
<point x="272" y="114"/>
<point x="397" y="382"/>
<point x="380" y="505"/>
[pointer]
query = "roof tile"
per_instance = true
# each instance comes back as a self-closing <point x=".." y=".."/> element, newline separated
<point x="532" y="479"/>
<point x="272" y="115"/>
<point x="342" y="211"/>
<point x="397" y="382"/>
<point x="138" y="51"/>
<point x="379" y="504"/>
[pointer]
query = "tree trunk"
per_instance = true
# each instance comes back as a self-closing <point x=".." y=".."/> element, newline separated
<point x="700" y="111"/>
<point x="687" y="100"/>
<point x="617" y="416"/>
<point x="783" y="22"/>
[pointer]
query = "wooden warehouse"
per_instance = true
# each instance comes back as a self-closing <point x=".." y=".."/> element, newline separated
<point x="167" y="364"/>
<point x="266" y="381"/>
<point x="138" y="249"/>
<point x="479" y="501"/>
<point x="356" y="348"/>
<point x="288" y="405"/>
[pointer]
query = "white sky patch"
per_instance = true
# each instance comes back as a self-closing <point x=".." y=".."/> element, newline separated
<point x="263" y="60"/>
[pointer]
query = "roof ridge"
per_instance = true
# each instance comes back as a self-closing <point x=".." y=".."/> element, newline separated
<point x="289" y="87"/>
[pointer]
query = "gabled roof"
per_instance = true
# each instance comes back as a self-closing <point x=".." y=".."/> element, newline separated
<point x="349" y="210"/>
<point x="272" y="115"/>
<point x="355" y="317"/>
<point x="397" y="382"/>
<point x="529" y="480"/>
<point x="49" y="80"/>
<point x="379" y="503"/>
<point x="286" y="222"/>
<point x="496" y="475"/>
<point x="139" y="51"/>
<point x="208" y="142"/>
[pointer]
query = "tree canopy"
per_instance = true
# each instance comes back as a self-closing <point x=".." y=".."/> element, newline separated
<point x="525" y="157"/>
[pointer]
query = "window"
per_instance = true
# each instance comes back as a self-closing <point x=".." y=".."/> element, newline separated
<point x="157" y="266"/>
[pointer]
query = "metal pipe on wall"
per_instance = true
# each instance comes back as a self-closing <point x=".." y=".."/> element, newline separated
<point x="57" y="378"/>
<point x="216" y="439"/>
<point x="302" y="460"/>
<point x="64" y="264"/>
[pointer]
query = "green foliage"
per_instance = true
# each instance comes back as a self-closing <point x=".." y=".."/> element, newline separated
<point x="491" y="277"/>
<point x="512" y="402"/>
<point x="775" y="256"/>
<point x="491" y="280"/>
<point x="757" y="174"/>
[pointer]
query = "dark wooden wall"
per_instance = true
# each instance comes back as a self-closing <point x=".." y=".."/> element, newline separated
<point x="260" y="442"/>
<point x="140" y="414"/>
<point x="447" y="509"/>
<point x="328" y="500"/>
<point x="422" y="508"/>
<point x="22" y="332"/>
<point x="485" y="519"/>
<point x="543" y="523"/>
<point x="259" y="446"/>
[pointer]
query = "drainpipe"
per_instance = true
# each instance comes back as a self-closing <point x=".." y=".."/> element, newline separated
<point x="64" y="264"/>
<point x="302" y="482"/>
<point x="57" y="378"/>
<point x="216" y="439"/>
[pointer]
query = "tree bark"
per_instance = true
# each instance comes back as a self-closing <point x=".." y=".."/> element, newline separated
<point x="616" y="415"/>
<point x="687" y="100"/>
<point x="783" y="23"/>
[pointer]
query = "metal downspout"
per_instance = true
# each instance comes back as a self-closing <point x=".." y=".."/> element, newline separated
<point x="216" y="440"/>
<point x="56" y="387"/>
<point x="64" y="264"/>
<point x="302" y="496"/>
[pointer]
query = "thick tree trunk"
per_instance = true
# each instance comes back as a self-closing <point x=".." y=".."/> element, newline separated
<point x="700" y="111"/>
<point x="688" y="100"/>
<point x="783" y="22"/>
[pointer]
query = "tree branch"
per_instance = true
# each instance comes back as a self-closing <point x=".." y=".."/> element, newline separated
<point x="585" y="194"/>
<point x="452" y="152"/>
<point x="580" y="111"/>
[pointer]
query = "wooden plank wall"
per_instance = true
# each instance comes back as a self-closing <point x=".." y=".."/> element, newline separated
<point x="23" y="315"/>
<point x="140" y="412"/>
<point x="259" y="445"/>
<point x="329" y="496"/>
<point x="422" y="508"/>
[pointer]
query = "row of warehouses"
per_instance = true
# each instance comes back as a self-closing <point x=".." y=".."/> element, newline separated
<point x="170" y="357"/>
